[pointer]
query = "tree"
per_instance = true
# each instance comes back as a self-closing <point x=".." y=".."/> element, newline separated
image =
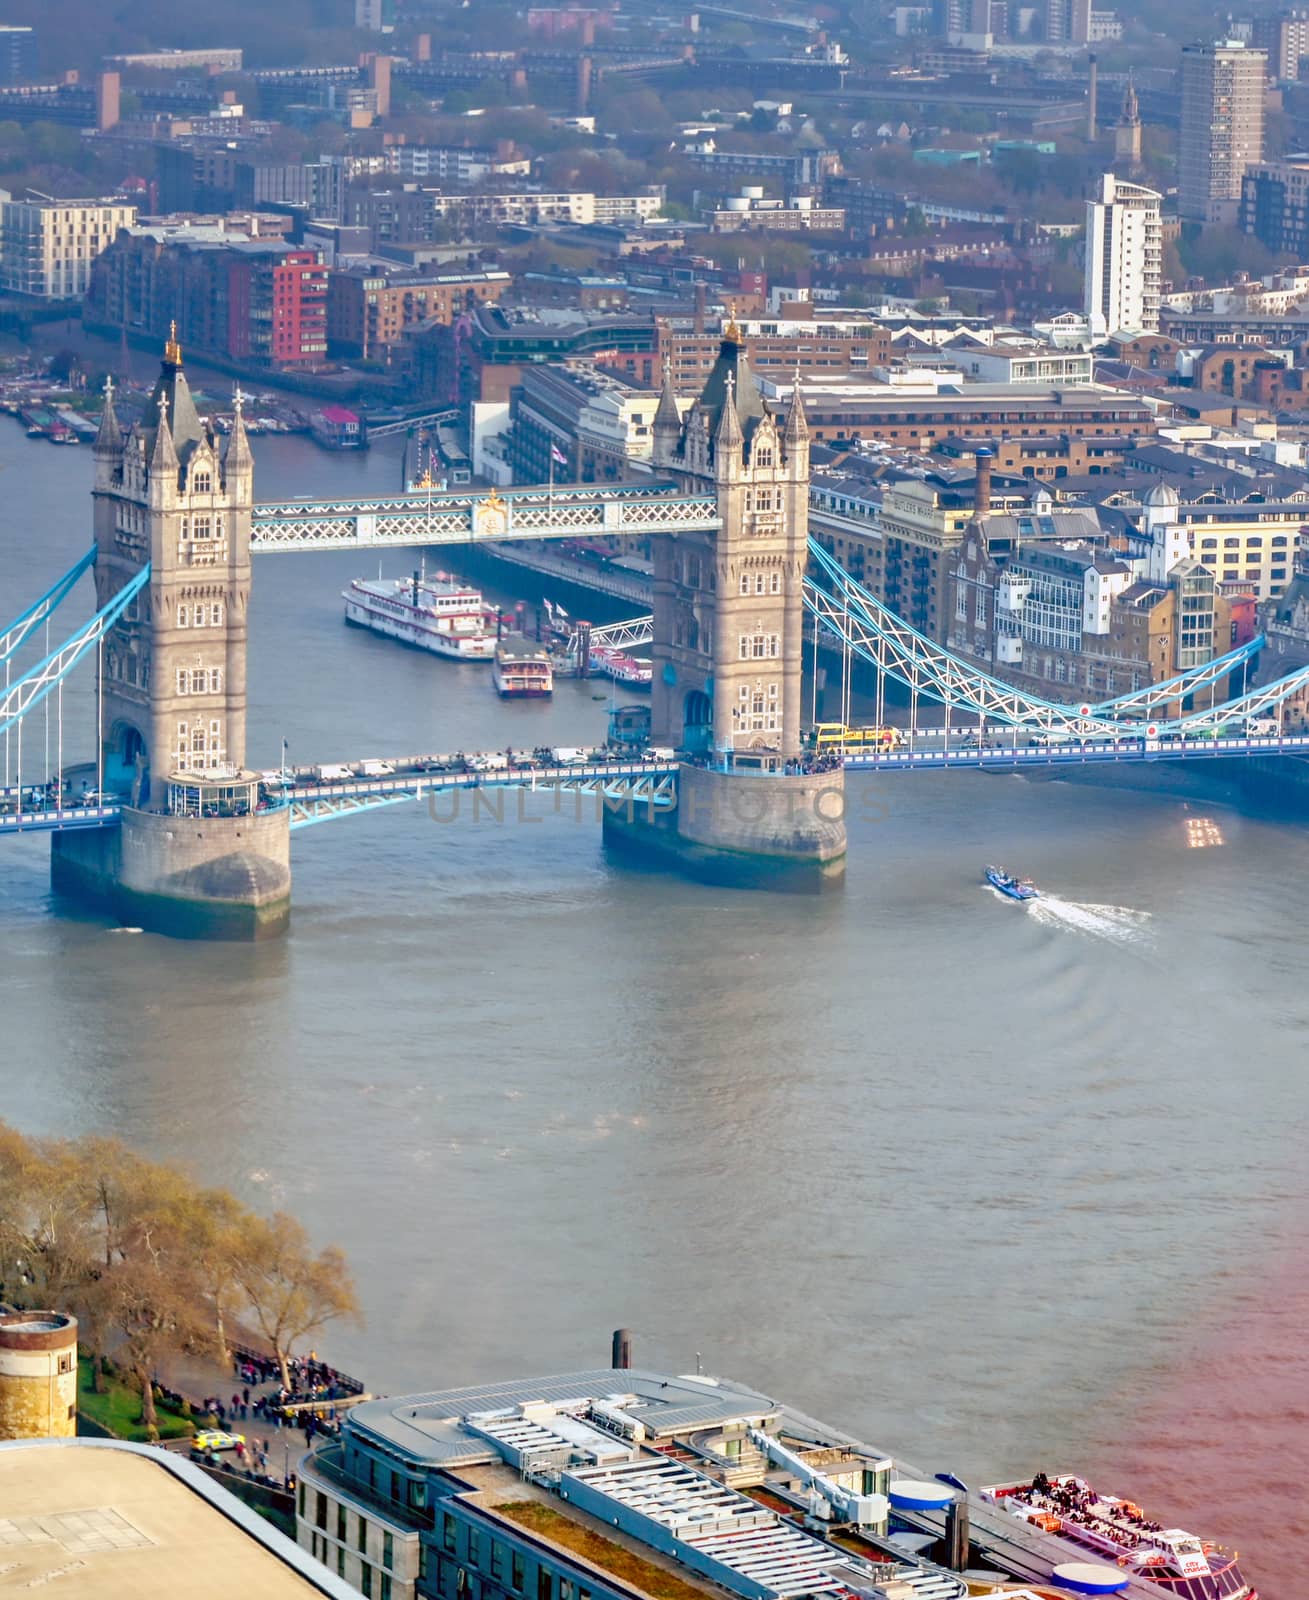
<point x="291" y="1291"/>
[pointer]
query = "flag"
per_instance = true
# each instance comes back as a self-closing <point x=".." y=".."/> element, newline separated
<point x="560" y="612"/>
<point x="557" y="456"/>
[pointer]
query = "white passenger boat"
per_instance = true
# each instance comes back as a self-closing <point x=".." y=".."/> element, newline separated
<point x="431" y="614"/>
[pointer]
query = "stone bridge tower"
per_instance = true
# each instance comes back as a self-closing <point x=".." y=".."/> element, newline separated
<point x="173" y="683"/>
<point x="728" y="607"/>
<point x="195" y="853"/>
<point x="728" y="642"/>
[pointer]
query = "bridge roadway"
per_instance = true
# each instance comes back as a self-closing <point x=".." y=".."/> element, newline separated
<point x="415" y="776"/>
<point x="425" y="517"/>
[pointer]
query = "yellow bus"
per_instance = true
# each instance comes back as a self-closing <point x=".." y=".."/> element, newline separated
<point x="854" y="741"/>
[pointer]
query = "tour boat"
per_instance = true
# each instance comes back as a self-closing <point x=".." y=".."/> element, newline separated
<point x="432" y="614"/>
<point x="634" y="672"/>
<point x="1006" y="883"/>
<point x="521" y="670"/>
<point x="1118" y="1531"/>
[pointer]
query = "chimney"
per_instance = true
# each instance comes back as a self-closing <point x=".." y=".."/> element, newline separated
<point x="584" y="69"/>
<point x="106" y="101"/>
<point x="1092" y="90"/>
<point x="699" y="307"/>
<point x="622" y="1356"/>
<point x="379" y="80"/>
<point x="982" y="484"/>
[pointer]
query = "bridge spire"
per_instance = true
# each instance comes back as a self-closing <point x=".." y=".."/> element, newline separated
<point x="667" y="423"/>
<point x="729" y="436"/>
<point x="109" y="438"/>
<point x="797" y="423"/>
<point x="237" y="457"/>
<point x="163" y="458"/>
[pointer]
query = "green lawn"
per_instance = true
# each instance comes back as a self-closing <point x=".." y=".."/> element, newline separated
<point x="119" y="1408"/>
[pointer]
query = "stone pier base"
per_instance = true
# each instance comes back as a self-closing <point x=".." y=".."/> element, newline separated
<point x="747" y="830"/>
<point x="191" y="878"/>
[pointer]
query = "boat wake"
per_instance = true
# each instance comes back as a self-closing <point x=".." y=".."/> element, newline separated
<point x="1117" y="924"/>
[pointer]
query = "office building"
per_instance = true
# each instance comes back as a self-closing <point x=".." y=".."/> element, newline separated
<point x="1124" y="259"/>
<point x="47" y="247"/>
<point x="18" y="59"/>
<point x="368" y="312"/>
<point x="1222" y="131"/>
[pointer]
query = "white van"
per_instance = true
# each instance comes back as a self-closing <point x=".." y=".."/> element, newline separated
<point x="661" y="752"/>
<point x="1262" y="727"/>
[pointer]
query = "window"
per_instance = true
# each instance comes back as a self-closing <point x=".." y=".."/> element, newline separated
<point x="388" y="1550"/>
<point x="745" y="583"/>
<point x="202" y="526"/>
<point x="447" y="1533"/>
<point x="960" y="601"/>
<point x="497" y="1559"/>
<point x="384" y="1588"/>
<point x="544" y="1585"/>
<point x="366" y="1580"/>
<point x="340" y="1522"/>
<point x="340" y="1561"/>
<point x="517" y="1570"/>
<point x="320" y="1512"/>
<point x="763" y="458"/>
<point x="65" y="1363"/>
<point x="474" y="1547"/>
<point x="759" y="583"/>
<point x="183" y="615"/>
<point x="202" y="483"/>
<point x="362" y="1539"/>
<point x="775" y="583"/>
<point x="217" y="614"/>
<point x="302" y="1487"/>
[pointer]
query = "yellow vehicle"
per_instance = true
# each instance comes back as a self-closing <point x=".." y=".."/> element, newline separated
<point x="854" y="741"/>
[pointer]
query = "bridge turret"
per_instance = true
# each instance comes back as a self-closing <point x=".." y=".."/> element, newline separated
<point x="193" y="852"/>
<point x="667" y="425"/>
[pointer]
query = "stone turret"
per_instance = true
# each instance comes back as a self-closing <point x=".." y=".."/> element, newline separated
<point x="728" y="643"/>
<point x="194" y="854"/>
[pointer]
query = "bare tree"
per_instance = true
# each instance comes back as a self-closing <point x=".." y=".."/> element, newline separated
<point x="291" y="1291"/>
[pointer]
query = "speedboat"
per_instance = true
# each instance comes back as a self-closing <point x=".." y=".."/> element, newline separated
<point x="1007" y="884"/>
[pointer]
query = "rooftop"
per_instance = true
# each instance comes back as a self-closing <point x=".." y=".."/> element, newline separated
<point x="114" y="1521"/>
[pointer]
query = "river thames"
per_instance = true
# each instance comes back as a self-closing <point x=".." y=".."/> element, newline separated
<point x="1002" y="1188"/>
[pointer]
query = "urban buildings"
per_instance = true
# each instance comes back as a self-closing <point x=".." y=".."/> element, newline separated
<point x="369" y="312"/>
<point x="18" y="57"/>
<point x="255" y="302"/>
<point x="105" y="1518"/>
<point x="1124" y="259"/>
<point x="48" y="247"/>
<point x="751" y="210"/>
<point x="600" y="1485"/>
<point x="775" y="346"/>
<point x="1275" y="204"/>
<point x="1222" y="130"/>
<point x="1284" y="38"/>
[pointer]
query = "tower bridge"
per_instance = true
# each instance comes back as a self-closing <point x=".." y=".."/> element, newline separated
<point x="175" y="830"/>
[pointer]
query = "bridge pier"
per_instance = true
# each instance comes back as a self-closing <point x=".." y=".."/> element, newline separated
<point x="188" y="877"/>
<point x="748" y="830"/>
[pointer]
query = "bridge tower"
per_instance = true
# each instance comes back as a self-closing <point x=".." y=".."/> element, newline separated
<point x="194" y="855"/>
<point x="728" y="635"/>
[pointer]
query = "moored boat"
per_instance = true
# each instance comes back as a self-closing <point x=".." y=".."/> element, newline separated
<point x="522" y="670"/>
<point x="446" y="618"/>
<point x="1117" y="1530"/>
<point x="1007" y="884"/>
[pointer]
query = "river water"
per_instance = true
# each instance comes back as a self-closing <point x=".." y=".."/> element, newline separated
<point x="998" y="1187"/>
